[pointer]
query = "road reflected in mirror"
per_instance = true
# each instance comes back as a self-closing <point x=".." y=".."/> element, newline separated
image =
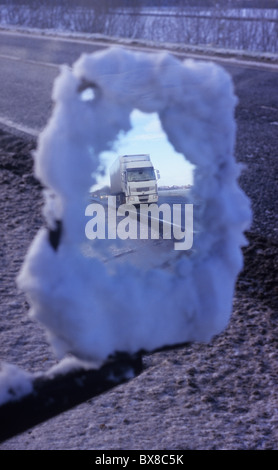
<point x="141" y="201"/>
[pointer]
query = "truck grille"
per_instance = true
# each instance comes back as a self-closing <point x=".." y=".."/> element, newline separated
<point x="142" y="189"/>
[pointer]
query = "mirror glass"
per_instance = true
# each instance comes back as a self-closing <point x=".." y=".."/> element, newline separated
<point x="148" y="137"/>
<point x="145" y="240"/>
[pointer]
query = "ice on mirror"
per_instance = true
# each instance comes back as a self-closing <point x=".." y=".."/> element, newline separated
<point x="87" y="309"/>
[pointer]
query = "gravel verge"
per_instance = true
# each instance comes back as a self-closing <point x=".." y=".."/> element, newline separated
<point x="221" y="395"/>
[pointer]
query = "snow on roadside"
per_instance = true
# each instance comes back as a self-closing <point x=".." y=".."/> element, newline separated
<point x="226" y="28"/>
<point x="175" y="48"/>
<point x="14" y="383"/>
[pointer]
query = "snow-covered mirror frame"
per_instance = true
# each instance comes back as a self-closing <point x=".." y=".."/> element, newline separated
<point x="86" y="310"/>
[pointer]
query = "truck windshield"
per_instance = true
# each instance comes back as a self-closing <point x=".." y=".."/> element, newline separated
<point x="141" y="174"/>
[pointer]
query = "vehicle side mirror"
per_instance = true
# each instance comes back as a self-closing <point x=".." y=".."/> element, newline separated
<point x="157" y="174"/>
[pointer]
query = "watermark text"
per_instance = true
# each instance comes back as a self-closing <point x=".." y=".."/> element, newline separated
<point x="148" y="221"/>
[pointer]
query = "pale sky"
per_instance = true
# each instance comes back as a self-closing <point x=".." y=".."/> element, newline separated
<point x="147" y="136"/>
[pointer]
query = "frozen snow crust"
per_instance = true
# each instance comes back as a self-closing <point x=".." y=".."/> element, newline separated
<point x="14" y="383"/>
<point x="88" y="310"/>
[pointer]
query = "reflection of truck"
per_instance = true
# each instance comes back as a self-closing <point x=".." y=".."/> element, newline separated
<point x="133" y="179"/>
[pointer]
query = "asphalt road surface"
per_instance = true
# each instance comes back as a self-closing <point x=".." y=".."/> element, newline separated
<point x="29" y="64"/>
<point x="154" y="249"/>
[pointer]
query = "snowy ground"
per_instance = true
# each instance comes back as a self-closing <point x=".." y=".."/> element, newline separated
<point x="222" y="395"/>
<point x="242" y="29"/>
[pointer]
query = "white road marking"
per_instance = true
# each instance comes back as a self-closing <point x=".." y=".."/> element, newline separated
<point x="19" y="127"/>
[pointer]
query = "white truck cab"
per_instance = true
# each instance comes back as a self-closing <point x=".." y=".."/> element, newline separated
<point x="134" y="180"/>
